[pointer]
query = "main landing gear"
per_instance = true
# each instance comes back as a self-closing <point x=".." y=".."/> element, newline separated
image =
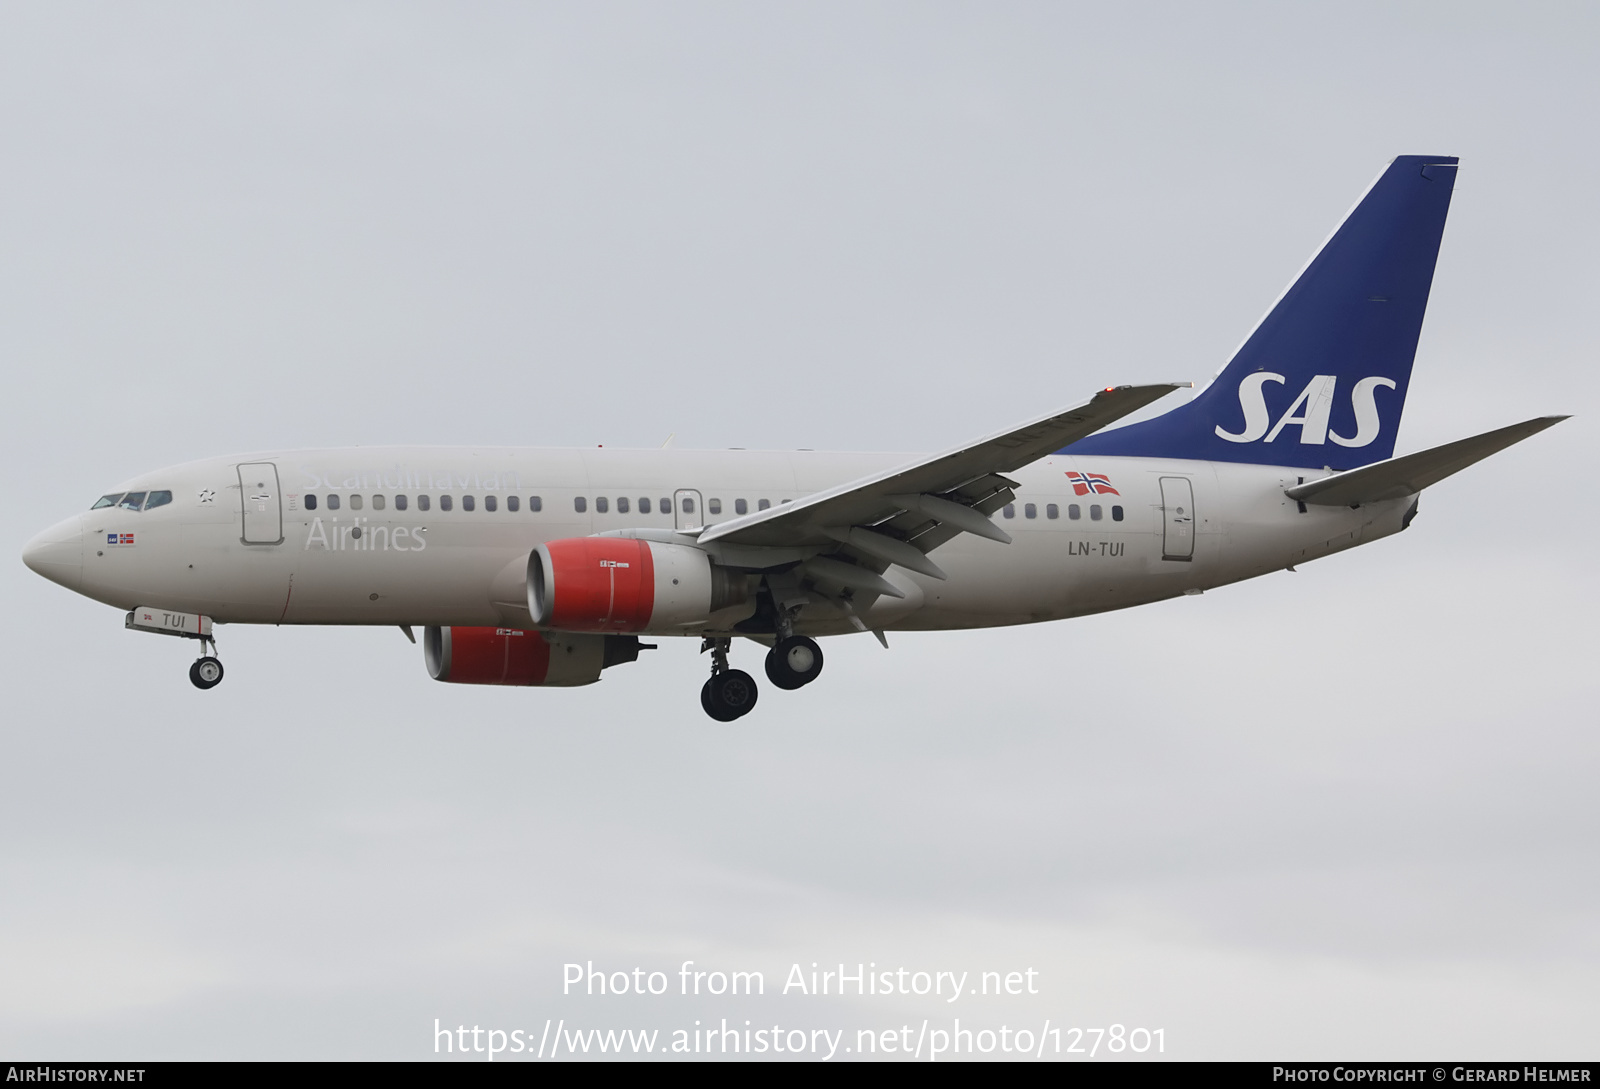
<point x="793" y="662"/>
<point x="730" y="693"/>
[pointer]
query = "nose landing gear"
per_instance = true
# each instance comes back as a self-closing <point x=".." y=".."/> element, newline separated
<point x="730" y="693"/>
<point x="206" y="673"/>
<point x="207" y="670"/>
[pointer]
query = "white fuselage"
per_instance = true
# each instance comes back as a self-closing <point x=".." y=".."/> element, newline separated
<point x="349" y="554"/>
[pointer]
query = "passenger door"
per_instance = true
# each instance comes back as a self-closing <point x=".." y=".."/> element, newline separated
<point x="1177" y="518"/>
<point x="262" y="503"/>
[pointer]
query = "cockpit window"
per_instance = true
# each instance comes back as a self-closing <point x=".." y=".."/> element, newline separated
<point x="133" y="500"/>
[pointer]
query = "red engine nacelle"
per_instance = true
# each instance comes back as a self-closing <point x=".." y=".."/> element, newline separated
<point x="511" y="656"/>
<point x="618" y="584"/>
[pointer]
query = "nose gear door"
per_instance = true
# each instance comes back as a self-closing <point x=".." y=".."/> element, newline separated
<point x="262" y="503"/>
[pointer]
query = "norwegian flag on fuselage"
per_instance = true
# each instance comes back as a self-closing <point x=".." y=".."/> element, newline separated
<point x="1091" y="484"/>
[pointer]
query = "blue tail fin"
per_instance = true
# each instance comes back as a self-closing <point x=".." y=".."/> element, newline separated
<point x="1322" y="379"/>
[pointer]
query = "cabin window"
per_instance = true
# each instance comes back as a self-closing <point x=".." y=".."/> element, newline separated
<point x="714" y="506"/>
<point x="622" y="504"/>
<point x="1116" y="514"/>
<point x="665" y="506"/>
<point x="1030" y="510"/>
<point x="580" y="504"/>
<point x="763" y="504"/>
<point x="469" y="502"/>
<point x="423" y="502"/>
<point x="311" y="501"/>
<point x="491" y="503"/>
<point x="644" y="504"/>
<point x="355" y="502"/>
<point x="333" y="502"/>
<point x="400" y="502"/>
<point x="447" y="502"/>
<point x="1074" y="512"/>
<point x="1052" y="511"/>
<point x="688" y="505"/>
<point x="379" y="502"/>
<point x="1010" y="510"/>
<point x="1095" y="513"/>
<point x="741" y="507"/>
<point x="513" y="503"/>
<point x="601" y="504"/>
<point x="535" y="504"/>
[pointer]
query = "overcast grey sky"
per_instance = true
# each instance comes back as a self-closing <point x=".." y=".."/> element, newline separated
<point x="1344" y="812"/>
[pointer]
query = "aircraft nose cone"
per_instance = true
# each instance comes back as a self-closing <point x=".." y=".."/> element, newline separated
<point x="57" y="553"/>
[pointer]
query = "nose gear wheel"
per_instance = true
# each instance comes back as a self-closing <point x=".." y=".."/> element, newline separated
<point x="206" y="673"/>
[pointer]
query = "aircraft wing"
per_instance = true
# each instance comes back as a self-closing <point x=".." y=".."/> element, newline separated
<point x="915" y="508"/>
<point x="1403" y="476"/>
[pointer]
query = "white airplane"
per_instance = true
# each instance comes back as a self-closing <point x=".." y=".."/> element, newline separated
<point x="532" y="566"/>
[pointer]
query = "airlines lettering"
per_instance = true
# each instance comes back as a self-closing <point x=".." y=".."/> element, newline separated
<point x="362" y="538"/>
<point x="1313" y="406"/>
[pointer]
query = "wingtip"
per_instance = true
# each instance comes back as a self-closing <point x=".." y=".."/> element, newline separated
<point x="1151" y="387"/>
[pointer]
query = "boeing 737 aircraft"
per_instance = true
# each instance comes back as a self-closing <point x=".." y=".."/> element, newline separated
<point x="532" y="566"/>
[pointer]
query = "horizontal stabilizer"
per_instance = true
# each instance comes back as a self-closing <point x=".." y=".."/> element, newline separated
<point x="1400" y="477"/>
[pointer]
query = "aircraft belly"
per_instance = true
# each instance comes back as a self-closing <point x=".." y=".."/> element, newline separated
<point x="1040" y="576"/>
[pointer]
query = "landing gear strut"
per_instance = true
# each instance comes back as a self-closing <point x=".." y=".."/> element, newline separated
<point x="730" y="693"/>
<point x="206" y="672"/>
